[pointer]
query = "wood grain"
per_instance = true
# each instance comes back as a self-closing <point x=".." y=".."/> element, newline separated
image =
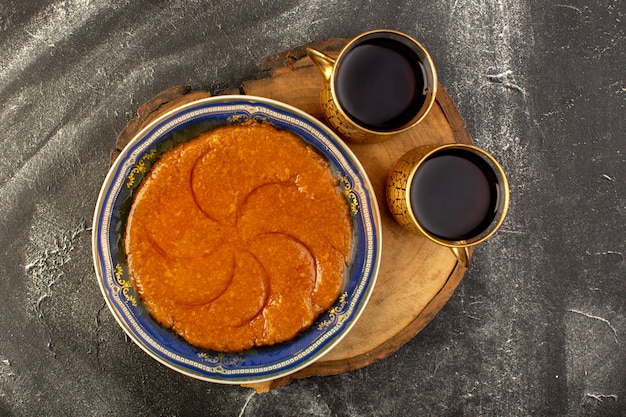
<point x="417" y="277"/>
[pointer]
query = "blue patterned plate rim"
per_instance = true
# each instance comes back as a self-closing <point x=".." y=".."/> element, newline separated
<point x="259" y="364"/>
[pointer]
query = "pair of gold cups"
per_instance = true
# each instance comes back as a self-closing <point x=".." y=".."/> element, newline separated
<point x="382" y="83"/>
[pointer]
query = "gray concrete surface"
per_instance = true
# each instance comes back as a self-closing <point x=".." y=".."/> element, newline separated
<point x="537" y="326"/>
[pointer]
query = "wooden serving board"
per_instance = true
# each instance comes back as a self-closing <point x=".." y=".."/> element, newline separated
<point x="417" y="277"/>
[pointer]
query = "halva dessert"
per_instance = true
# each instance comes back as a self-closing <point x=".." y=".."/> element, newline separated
<point x="239" y="238"/>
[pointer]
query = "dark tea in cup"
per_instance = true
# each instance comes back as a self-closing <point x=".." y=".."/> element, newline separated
<point x="455" y="195"/>
<point x="382" y="83"/>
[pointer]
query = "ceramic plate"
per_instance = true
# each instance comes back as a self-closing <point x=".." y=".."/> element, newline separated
<point x="259" y="364"/>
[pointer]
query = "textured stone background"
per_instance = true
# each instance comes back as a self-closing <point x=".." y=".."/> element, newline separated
<point x="538" y="324"/>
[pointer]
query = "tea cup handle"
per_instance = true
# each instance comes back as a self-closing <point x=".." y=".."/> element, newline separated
<point x="462" y="254"/>
<point x="322" y="61"/>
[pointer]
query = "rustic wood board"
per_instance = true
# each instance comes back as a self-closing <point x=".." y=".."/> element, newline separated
<point x="417" y="277"/>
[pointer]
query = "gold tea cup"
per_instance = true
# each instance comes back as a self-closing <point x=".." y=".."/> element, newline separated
<point x="382" y="83"/>
<point x="455" y="195"/>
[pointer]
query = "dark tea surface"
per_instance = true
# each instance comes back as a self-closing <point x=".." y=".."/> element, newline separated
<point x="454" y="195"/>
<point x="381" y="84"/>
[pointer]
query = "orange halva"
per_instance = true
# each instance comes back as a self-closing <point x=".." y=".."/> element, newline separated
<point x="239" y="238"/>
